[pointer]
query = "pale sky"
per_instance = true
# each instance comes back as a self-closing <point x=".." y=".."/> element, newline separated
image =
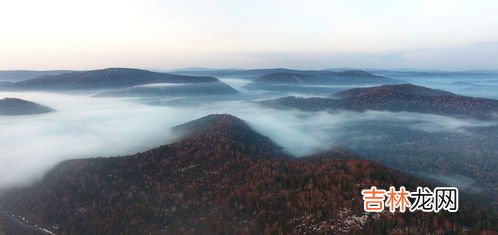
<point x="154" y="34"/>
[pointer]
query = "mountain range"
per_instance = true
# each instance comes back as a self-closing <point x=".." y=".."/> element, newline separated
<point x="323" y="77"/>
<point x="112" y="78"/>
<point x="129" y="82"/>
<point x="396" y="98"/>
<point x="315" y="82"/>
<point x="433" y="73"/>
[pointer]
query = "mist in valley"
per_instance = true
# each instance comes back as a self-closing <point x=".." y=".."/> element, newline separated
<point x="84" y="126"/>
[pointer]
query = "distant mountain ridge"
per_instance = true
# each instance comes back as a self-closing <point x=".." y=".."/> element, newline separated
<point x="401" y="89"/>
<point x="254" y="74"/>
<point x="240" y="73"/>
<point x="125" y="79"/>
<point x="404" y="73"/>
<point x="14" y="106"/>
<point x="19" y="75"/>
<point x="403" y="97"/>
<point x="315" y="82"/>
<point x="111" y="78"/>
<point x="323" y="77"/>
<point x="222" y="178"/>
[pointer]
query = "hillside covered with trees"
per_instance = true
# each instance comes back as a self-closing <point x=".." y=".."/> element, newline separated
<point x="224" y="178"/>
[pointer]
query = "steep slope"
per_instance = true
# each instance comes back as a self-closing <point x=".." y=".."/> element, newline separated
<point x="11" y="225"/>
<point x="221" y="178"/>
<point x="111" y="78"/>
<point x="232" y="132"/>
<point x="14" y="106"/>
<point x="404" y="97"/>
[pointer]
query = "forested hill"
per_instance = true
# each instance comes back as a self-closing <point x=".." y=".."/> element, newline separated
<point x="15" y="106"/>
<point x="222" y="178"/>
<point x="403" y="97"/>
<point x="111" y="78"/>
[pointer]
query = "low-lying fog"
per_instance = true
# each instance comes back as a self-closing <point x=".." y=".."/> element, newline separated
<point x="85" y="127"/>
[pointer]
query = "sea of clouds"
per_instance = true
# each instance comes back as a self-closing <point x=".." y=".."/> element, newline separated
<point x="84" y="126"/>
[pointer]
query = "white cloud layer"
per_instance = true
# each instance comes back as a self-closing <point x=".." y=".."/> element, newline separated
<point x="86" y="127"/>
